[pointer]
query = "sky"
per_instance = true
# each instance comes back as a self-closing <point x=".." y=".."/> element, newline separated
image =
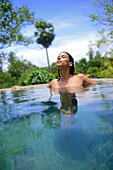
<point x="73" y="29"/>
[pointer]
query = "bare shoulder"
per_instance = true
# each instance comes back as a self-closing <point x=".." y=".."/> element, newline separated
<point x="86" y="80"/>
<point x="81" y="75"/>
<point x="51" y="83"/>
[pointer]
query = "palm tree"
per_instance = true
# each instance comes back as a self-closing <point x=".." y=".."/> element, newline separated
<point x="45" y="35"/>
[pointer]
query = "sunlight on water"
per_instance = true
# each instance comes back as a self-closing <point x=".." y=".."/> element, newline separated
<point x="41" y="129"/>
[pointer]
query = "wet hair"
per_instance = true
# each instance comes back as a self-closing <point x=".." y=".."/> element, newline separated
<point x="71" y="68"/>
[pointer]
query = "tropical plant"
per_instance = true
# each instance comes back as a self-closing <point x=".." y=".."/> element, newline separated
<point x="39" y="77"/>
<point x="45" y="35"/>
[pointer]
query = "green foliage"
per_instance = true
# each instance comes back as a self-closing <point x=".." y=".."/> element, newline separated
<point x="104" y="16"/>
<point x="105" y="13"/>
<point x="93" y="72"/>
<point x="6" y="80"/>
<point x="39" y="77"/>
<point x="56" y="75"/>
<point x="22" y="82"/>
<point x="20" y="72"/>
<point x="18" y="67"/>
<point x="107" y="73"/>
<point x="96" y="67"/>
<point x="96" y="61"/>
<point x="53" y="68"/>
<point x="11" y="21"/>
<point x="81" y="66"/>
<point x="45" y="33"/>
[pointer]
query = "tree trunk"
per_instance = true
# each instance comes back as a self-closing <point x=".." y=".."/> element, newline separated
<point x="0" y="64"/>
<point x="48" y="60"/>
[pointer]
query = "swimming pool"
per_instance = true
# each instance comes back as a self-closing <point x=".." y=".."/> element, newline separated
<point x="41" y="129"/>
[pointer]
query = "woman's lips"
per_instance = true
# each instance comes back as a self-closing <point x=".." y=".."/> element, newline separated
<point x="58" y="61"/>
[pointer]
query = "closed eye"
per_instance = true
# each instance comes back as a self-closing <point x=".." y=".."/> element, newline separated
<point x="62" y="56"/>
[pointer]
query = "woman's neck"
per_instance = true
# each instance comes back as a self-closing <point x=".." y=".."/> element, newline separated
<point x="64" y="75"/>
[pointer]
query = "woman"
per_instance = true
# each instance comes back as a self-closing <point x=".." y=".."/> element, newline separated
<point x="67" y="79"/>
<point x="65" y="65"/>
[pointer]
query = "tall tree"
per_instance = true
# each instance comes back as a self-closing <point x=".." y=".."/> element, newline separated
<point x="104" y="17"/>
<point x="11" y="21"/>
<point x="45" y="35"/>
<point x="90" y="53"/>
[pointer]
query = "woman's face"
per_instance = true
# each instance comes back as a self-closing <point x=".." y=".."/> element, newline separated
<point x="62" y="60"/>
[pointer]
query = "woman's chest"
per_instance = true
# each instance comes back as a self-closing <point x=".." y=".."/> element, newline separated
<point x="69" y="83"/>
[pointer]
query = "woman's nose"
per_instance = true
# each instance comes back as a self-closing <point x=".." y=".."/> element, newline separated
<point x="58" y="58"/>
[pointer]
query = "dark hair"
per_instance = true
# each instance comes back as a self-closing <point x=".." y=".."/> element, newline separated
<point x="73" y="100"/>
<point x="71" y="68"/>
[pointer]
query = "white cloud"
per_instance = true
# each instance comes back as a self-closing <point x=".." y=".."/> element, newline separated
<point x="29" y="30"/>
<point x="77" y="47"/>
<point x="61" y="23"/>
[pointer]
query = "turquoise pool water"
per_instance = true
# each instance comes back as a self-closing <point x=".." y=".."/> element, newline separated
<point x="42" y="130"/>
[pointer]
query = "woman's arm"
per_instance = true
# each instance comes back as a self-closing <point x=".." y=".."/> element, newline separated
<point x="86" y="81"/>
<point x="51" y="84"/>
<point x="14" y="88"/>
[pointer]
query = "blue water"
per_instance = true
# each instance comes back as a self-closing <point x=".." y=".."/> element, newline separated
<point x="43" y="130"/>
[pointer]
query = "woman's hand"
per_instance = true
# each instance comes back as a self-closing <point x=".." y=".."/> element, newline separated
<point x="14" y="88"/>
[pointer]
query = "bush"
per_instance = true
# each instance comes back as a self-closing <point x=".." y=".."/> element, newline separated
<point x="107" y="73"/>
<point x="6" y="80"/>
<point x="39" y="77"/>
<point x="93" y="72"/>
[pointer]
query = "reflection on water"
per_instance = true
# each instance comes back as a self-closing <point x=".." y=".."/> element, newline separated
<point x="43" y="129"/>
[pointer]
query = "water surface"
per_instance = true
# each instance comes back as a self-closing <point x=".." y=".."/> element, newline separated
<point x="42" y="130"/>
